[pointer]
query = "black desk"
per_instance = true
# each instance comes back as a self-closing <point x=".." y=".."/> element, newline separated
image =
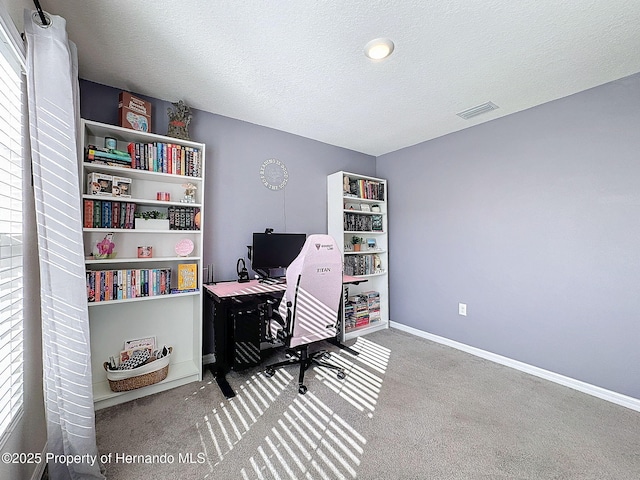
<point x="229" y="304"/>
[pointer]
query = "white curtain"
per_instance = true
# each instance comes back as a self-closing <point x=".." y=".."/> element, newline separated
<point x="52" y="87"/>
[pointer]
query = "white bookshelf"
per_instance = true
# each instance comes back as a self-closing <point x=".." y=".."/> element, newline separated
<point x="342" y="206"/>
<point x="174" y="319"/>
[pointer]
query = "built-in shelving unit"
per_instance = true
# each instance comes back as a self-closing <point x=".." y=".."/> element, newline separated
<point x="175" y="319"/>
<point x="357" y="207"/>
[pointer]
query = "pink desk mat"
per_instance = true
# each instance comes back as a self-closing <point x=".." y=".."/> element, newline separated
<point x="233" y="289"/>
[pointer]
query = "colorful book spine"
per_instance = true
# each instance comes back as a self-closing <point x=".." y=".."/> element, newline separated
<point x="88" y="214"/>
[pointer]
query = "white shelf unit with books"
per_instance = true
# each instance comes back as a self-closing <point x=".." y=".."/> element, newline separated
<point x="357" y="207"/>
<point x="175" y="319"/>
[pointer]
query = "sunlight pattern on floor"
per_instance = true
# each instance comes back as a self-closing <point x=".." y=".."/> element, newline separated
<point x="362" y="384"/>
<point x="310" y="441"/>
<point x="374" y="356"/>
<point x="227" y="424"/>
<point x="360" y="387"/>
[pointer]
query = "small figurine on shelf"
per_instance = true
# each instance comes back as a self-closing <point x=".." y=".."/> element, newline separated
<point x="106" y="247"/>
<point x="179" y="119"/>
<point x="189" y="193"/>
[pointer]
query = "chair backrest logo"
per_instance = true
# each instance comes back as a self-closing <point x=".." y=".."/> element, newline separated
<point x="323" y="269"/>
<point x="317" y="246"/>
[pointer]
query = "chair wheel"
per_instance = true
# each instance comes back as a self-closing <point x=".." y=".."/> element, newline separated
<point x="302" y="389"/>
<point x="326" y="355"/>
<point x="269" y="372"/>
<point x="341" y="375"/>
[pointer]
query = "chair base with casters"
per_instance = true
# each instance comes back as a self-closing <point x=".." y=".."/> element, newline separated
<point x="300" y="356"/>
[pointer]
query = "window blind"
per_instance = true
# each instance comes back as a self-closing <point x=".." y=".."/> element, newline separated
<point x="11" y="236"/>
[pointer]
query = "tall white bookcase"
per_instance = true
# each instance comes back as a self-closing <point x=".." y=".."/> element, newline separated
<point x="357" y="207"/>
<point x="174" y="319"/>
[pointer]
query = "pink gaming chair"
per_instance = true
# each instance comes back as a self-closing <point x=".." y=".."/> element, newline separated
<point x="309" y="308"/>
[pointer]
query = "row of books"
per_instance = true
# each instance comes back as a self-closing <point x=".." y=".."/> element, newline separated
<point x="354" y="222"/>
<point x="361" y="310"/>
<point x="166" y="158"/>
<point x="108" y="214"/>
<point x="105" y="285"/>
<point x="362" y="264"/>
<point x="184" y="218"/>
<point x="367" y="189"/>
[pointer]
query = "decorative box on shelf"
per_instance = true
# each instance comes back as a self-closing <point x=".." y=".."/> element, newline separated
<point x="152" y="223"/>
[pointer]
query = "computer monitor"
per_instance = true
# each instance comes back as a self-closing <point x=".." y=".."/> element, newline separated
<point x="272" y="251"/>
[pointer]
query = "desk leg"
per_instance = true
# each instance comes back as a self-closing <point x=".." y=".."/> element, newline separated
<point x="336" y="342"/>
<point x="217" y="313"/>
<point x="221" y="380"/>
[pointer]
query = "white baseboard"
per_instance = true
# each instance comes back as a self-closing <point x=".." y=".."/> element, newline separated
<point x="608" y="395"/>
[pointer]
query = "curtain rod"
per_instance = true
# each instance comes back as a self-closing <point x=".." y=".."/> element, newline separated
<point x="43" y="18"/>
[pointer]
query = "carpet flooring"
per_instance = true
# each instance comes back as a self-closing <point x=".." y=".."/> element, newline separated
<point x="408" y="409"/>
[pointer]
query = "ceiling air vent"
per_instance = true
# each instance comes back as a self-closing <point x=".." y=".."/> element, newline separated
<point x="477" y="110"/>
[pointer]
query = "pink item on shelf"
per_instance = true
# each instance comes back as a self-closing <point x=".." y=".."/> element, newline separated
<point x="184" y="247"/>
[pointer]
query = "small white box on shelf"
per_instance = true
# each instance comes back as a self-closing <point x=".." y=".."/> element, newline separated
<point x="152" y="224"/>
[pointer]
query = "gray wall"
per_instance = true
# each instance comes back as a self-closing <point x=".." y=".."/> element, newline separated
<point x="236" y="202"/>
<point x="533" y="220"/>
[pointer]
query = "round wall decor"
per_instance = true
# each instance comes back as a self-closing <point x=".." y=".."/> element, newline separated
<point x="273" y="174"/>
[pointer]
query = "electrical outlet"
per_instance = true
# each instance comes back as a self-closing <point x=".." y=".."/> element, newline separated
<point x="462" y="309"/>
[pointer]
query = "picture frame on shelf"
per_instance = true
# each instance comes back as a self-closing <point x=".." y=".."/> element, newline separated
<point x="365" y="207"/>
<point x="140" y="342"/>
<point x="351" y="206"/>
<point x="371" y="243"/>
<point x="145" y="251"/>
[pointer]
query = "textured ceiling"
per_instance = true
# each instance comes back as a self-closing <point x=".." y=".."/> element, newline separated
<point x="298" y="66"/>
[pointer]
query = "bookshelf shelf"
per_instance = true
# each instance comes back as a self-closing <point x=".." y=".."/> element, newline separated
<point x="364" y="252"/>
<point x="346" y="219"/>
<point x="142" y="201"/>
<point x="141" y="299"/>
<point x="107" y="261"/>
<point x="136" y="174"/>
<point x="346" y="210"/>
<point x="174" y="319"/>
<point x="358" y="331"/>
<point x="140" y="230"/>
<point x="370" y="275"/>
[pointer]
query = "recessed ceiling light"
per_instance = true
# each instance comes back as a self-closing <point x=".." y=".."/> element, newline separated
<point x="378" y="49"/>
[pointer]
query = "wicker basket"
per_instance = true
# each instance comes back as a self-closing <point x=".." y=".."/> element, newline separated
<point x="143" y="376"/>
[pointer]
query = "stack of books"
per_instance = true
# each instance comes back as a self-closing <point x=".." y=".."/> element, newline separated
<point x="361" y="310"/>
<point x="358" y="315"/>
<point x="107" y="156"/>
<point x="373" y="304"/>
